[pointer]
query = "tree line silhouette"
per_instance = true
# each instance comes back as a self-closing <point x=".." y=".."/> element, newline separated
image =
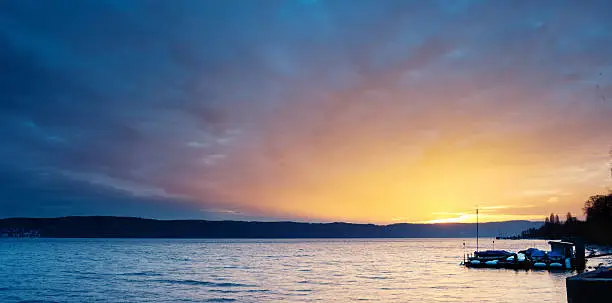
<point x="597" y="228"/>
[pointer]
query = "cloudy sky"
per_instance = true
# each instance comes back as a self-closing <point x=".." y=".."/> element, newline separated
<point x="341" y="110"/>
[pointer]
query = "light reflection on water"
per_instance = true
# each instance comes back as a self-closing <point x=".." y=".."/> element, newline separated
<point x="162" y="270"/>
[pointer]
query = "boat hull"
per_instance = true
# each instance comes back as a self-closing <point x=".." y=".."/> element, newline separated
<point x="499" y="265"/>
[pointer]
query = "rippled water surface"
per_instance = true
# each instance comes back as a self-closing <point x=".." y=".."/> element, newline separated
<point x="161" y="270"/>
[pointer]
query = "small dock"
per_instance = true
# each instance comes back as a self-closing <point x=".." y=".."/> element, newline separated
<point x="562" y="256"/>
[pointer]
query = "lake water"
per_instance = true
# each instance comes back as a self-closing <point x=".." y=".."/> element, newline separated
<point x="162" y="270"/>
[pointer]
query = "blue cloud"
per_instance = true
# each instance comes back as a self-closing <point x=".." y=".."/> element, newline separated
<point x="125" y="89"/>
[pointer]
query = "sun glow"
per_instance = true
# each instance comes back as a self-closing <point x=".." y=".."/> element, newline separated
<point x="471" y="218"/>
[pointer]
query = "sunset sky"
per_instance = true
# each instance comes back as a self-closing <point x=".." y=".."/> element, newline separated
<point x="357" y="110"/>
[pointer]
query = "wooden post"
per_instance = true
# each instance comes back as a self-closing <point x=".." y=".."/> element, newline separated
<point x="476" y="229"/>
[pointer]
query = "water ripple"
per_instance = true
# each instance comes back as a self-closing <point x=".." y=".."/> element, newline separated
<point x="203" y="283"/>
<point x="141" y="273"/>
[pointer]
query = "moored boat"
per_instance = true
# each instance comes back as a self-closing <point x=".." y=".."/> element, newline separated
<point x="496" y="259"/>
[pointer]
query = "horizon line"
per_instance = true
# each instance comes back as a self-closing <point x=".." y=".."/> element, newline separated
<point x="276" y="221"/>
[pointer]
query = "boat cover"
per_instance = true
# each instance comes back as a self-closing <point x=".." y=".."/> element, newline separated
<point x="492" y="253"/>
<point x="535" y="253"/>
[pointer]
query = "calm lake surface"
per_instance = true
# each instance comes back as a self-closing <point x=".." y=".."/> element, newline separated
<point x="339" y="270"/>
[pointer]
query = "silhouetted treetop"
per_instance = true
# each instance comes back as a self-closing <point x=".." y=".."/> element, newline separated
<point x="599" y="208"/>
<point x="596" y="229"/>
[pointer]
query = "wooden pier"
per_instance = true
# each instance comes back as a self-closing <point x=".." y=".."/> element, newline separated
<point x="593" y="286"/>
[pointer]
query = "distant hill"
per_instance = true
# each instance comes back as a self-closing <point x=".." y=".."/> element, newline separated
<point x="129" y="227"/>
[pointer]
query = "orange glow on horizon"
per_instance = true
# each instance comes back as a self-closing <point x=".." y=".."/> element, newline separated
<point x="363" y="181"/>
<point x="365" y="155"/>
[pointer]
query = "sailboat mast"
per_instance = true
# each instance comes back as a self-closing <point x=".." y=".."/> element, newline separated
<point x="476" y="229"/>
